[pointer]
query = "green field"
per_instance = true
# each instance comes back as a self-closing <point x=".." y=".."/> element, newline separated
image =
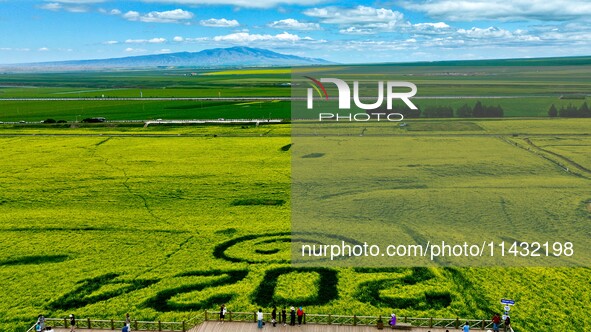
<point x="163" y="225"/>
<point x="35" y="111"/>
<point x="165" y="221"/>
<point x="520" y="88"/>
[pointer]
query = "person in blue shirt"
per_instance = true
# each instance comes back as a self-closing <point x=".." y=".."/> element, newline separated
<point x="466" y="327"/>
<point x="125" y="328"/>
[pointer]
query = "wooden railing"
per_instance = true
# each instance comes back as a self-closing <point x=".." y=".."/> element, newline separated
<point x="136" y="325"/>
<point x="324" y="319"/>
<point x="320" y="319"/>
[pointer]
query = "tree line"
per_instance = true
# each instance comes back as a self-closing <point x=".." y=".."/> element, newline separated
<point x="465" y="111"/>
<point x="570" y="111"/>
<point x="479" y="111"/>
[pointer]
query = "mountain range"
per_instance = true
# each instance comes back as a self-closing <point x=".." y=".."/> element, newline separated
<point x="238" y="56"/>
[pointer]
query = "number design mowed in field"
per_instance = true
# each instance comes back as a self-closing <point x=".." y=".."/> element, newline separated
<point x="101" y="226"/>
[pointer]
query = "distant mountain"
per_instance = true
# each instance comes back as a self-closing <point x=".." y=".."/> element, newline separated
<point x="218" y="57"/>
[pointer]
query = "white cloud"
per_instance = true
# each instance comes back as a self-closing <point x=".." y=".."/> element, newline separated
<point x="146" y="41"/>
<point x="360" y="20"/>
<point x="15" y="49"/>
<point x="567" y="34"/>
<point x="73" y="7"/>
<point x="111" y="42"/>
<point x="490" y="32"/>
<point x="381" y="45"/>
<point x="157" y="40"/>
<point x="197" y="40"/>
<point x="242" y="3"/>
<point x="43" y="49"/>
<point x="164" y="50"/>
<point x="131" y="15"/>
<point x="438" y="28"/>
<point x="219" y="23"/>
<point x="178" y="39"/>
<point x="438" y="25"/>
<point x="170" y="16"/>
<point x="440" y="37"/>
<point x="115" y="12"/>
<point x="470" y="10"/>
<point x="245" y="38"/>
<point x="293" y="24"/>
<point x="356" y="15"/>
<point x="357" y="31"/>
<point x="445" y="42"/>
<point x="135" y="50"/>
<point x="497" y="36"/>
<point x="54" y="6"/>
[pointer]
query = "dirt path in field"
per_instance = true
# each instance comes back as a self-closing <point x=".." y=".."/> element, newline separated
<point x="540" y="152"/>
<point x="564" y="158"/>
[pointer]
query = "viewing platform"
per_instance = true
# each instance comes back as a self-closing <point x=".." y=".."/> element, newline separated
<point x="246" y="321"/>
<point x="212" y="326"/>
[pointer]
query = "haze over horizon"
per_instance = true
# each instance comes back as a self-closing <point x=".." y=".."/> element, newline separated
<point x="345" y="32"/>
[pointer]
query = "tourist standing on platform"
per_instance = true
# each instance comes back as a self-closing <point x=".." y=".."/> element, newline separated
<point x="274" y="316"/>
<point x="41" y="322"/>
<point x="496" y="320"/>
<point x="223" y="313"/>
<point x="284" y="316"/>
<point x="292" y="315"/>
<point x="466" y="327"/>
<point x="260" y="318"/>
<point x="393" y="320"/>
<point x="72" y="323"/>
<point x="300" y="315"/>
<point x="508" y="324"/>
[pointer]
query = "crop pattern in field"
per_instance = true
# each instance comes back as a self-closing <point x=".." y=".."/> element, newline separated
<point x="164" y="226"/>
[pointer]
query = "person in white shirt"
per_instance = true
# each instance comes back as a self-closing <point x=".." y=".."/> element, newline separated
<point x="260" y="318"/>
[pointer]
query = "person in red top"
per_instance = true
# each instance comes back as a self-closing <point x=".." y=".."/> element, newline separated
<point x="300" y="315"/>
<point x="496" y="320"/>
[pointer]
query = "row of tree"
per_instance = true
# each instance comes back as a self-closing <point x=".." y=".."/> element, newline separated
<point x="54" y="121"/>
<point x="465" y="111"/>
<point x="570" y="111"/>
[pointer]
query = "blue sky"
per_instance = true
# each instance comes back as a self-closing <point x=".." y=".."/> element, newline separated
<point x="341" y="31"/>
